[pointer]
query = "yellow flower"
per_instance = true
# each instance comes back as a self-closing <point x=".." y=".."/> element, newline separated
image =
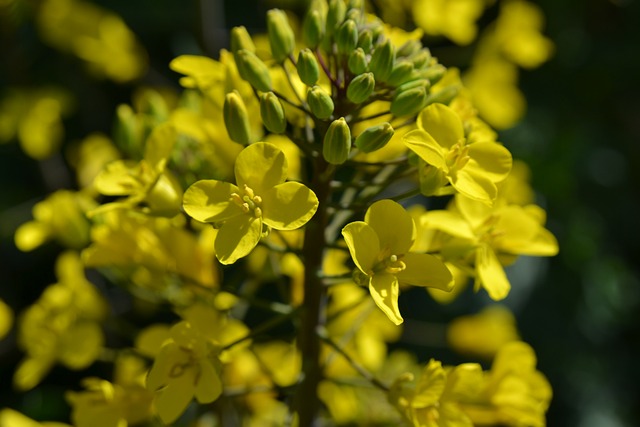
<point x="186" y="367"/>
<point x="6" y="319"/>
<point x="380" y="247"/>
<point x="485" y="238"/>
<point x="455" y="19"/>
<point x="11" y="418"/>
<point x="260" y="198"/>
<point x="147" y="182"/>
<point x="473" y="169"/>
<point x="483" y="334"/>
<point x="62" y="217"/>
<point x="62" y="326"/>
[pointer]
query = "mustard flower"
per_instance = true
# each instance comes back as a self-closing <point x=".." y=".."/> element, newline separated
<point x="473" y="169"/>
<point x="260" y="199"/>
<point x="380" y="247"/>
<point x="185" y="367"/>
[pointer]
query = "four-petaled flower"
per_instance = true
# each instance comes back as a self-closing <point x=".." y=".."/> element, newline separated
<point x="261" y="197"/>
<point x="380" y="246"/>
<point x="472" y="169"/>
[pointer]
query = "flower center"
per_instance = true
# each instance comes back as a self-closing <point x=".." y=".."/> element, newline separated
<point x="248" y="201"/>
<point x="458" y="156"/>
<point x="391" y="264"/>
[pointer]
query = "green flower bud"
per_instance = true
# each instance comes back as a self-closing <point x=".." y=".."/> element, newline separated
<point x="236" y="118"/>
<point x="411" y="47"/>
<point x="320" y="103"/>
<point x="357" y="61"/>
<point x="434" y="73"/>
<point x="281" y="37"/>
<point x="361" y="88"/>
<point x="337" y="142"/>
<point x="307" y="66"/>
<point x="444" y="96"/>
<point x="253" y="70"/>
<point x="421" y="59"/>
<point x="335" y="15"/>
<point x="347" y="37"/>
<point x="382" y="61"/>
<point x="375" y="137"/>
<point x="409" y="102"/>
<point x="413" y="84"/>
<point x="312" y="28"/>
<point x="356" y="4"/>
<point x="272" y="112"/>
<point x="240" y="39"/>
<point x="402" y="72"/>
<point x="365" y="40"/>
<point x="354" y="14"/>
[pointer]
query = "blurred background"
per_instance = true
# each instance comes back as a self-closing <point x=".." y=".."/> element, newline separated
<point x="580" y="136"/>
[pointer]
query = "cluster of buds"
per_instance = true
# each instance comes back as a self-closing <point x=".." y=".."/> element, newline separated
<point x="348" y="63"/>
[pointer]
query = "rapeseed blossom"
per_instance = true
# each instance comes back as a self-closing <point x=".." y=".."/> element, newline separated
<point x="261" y="198"/>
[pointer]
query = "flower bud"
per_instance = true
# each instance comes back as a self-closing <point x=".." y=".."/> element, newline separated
<point x="410" y="47"/>
<point x="272" y="113"/>
<point x="409" y="102"/>
<point x="361" y="88"/>
<point x="312" y="28"/>
<point x="444" y="96"/>
<point x="402" y="72"/>
<point x="421" y="59"/>
<point x="307" y="66"/>
<point x="320" y="103"/>
<point x="365" y="40"/>
<point x="335" y="15"/>
<point x="413" y="84"/>
<point x="236" y="118"/>
<point x="240" y="39"/>
<point x="281" y="37"/>
<point x="354" y="14"/>
<point x="347" y="37"/>
<point x="253" y="70"/>
<point x="382" y="61"/>
<point x="434" y="73"/>
<point x="357" y="61"/>
<point x="374" y="138"/>
<point x="337" y="142"/>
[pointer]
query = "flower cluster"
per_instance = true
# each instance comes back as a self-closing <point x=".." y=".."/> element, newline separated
<point x="256" y="233"/>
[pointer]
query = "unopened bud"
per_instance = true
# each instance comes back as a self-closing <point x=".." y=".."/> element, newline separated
<point x="272" y="113"/>
<point x="413" y="84"/>
<point x="374" y="138"/>
<point x="365" y="40"/>
<point x="361" y="88"/>
<point x="382" y="61"/>
<point x="357" y="61"/>
<point x="240" y="39"/>
<point x="409" y="48"/>
<point x="253" y="70"/>
<point x="320" y="103"/>
<point x="402" y="72"/>
<point x="434" y="73"/>
<point x="354" y="14"/>
<point x="281" y="37"/>
<point x="409" y="102"/>
<point x="335" y="15"/>
<point x="307" y="66"/>
<point x="337" y="142"/>
<point x="347" y="37"/>
<point x="312" y="28"/>
<point x="444" y="96"/>
<point x="421" y="59"/>
<point x="236" y="118"/>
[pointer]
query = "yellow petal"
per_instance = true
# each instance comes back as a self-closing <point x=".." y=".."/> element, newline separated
<point x="6" y="319"/>
<point x="393" y="225"/>
<point x="490" y="159"/>
<point x="442" y="123"/>
<point x="491" y="273"/>
<point x="81" y="345"/>
<point x="430" y="385"/>
<point x="118" y="178"/>
<point x="385" y="291"/>
<point x="425" y="270"/>
<point x="150" y="340"/>
<point x="172" y="400"/>
<point x="476" y="187"/>
<point x="260" y="166"/>
<point x="363" y="244"/>
<point x="448" y="222"/>
<point x="209" y="386"/>
<point x="30" y="372"/>
<point x="210" y="201"/>
<point x="237" y="237"/>
<point x="288" y="206"/>
<point x="159" y="145"/>
<point x="423" y="144"/>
